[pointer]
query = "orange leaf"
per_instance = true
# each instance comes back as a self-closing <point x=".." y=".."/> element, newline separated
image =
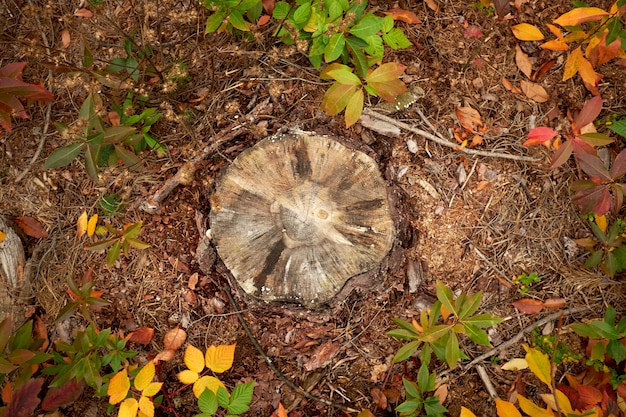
<point x="263" y="20"/>
<point x="281" y="412"/>
<point x="469" y="118"/>
<point x="522" y="61"/>
<point x="465" y="412"/>
<point x="555" y="45"/>
<point x="604" y="53"/>
<point x="91" y="225"/>
<point x="380" y="399"/>
<point x="165" y="355"/>
<point x="509" y="86"/>
<point x="476" y="140"/>
<point x="83" y="13"/>
<point x="220" y="358"/>
<point x="540" y="135"/>
<point x="572" y="64"/>
<point x="174" y="338"/>
<point x="31" y="226"/>
<point x="586" y="72"/>
<point x="526" y="32"/>
<point x="534" y="91"/>
<point x="65" y="38"/>
<point x="118" y="387"/>
<point x="81" y="225"/>
<point x="2" y="236"/>
<point x="528" y="305"/>
<point x="114" y="118"/>
<point x="432" y="5"/>
<point x="554" y="303"/>
<point x="555" y="31"/>
<point x="506" y="409"/>
<point x="142" y="335"/>
<point x="404" y="16"/>
<point x="580" y="15"/>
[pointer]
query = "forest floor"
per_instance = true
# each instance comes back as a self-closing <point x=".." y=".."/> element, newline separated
<point x="475" y="221"/>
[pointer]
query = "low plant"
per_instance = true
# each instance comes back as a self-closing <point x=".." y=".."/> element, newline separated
<point x="13" y="89"/>
<point x="526" y="281"/>
<point x="607" y="249"/>
<point x="121" y="242"/>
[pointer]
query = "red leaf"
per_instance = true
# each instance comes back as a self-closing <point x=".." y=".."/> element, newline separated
<point x="539" y="135"/>
<point x="25" y="400"/>
<point x="268" y="6"/>
<point x="142" y="335"/>
<point x="263" y="20"/>
<point x="31" y="227"/>
<point x="404" y="16"/>
<point x="322" y="356"/>
<point x="62" y="396"/>
<point x="604" y="202"/>
<point x="13" y="70"/>
<point x="561" y="155"/>
<point x="588" y="113"/>
<point x="619" y="165"/>
<point x="528" y="305"/>
<point x="589" y="395"/>
<point x="593" y="166"/>
<point x="473" y="31"/>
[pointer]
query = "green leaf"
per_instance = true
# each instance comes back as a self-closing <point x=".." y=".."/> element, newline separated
<point x="412" y="390"/>
<point x="136" y="243"/>
<point x="433" y="407"/>
<point x="477" y="335"/>
<point x="453" y="353"/>
<point x="340" y="73"/>
<point x="117" y="134"/>
<point x="614" y="25"/>
<point x="334" y="48"/>
<point x="471" y="304"/>
<point x="396" y="39"/>
<point x="387" y="24"/>
<point x="375" y="47"/>
<point x="358" y="57"/>
<point x="133" y="230"/>
<point x="336" y="98"/>
<point x="63" y="156"/>
<point x="483" y="320"/>
<point x="101" y="245"/>
<point x="354" y="108"/>
<point x="616" y="350"/>
<point x="406" y="351"/>
<point x="222" y="397"/>
<point x="605" y="330"/>
<point x="444" y="294"/>
<point x="611" y="264"/>
<point x="236" y="19"/>
<point x="214" y="21"/>
<point x="367" y="27"/>
<point x="596" y="139"/>
<point x="281" y="10"/>
<point x="431" y="334"/>
<point x="410" y="407"/>
<point x="335" y="10"/>
<point x="87" y="109"/>
<point x="92" y="155"/>
<point x="302" y="15"/>
<point x="207" y="403"/>
<point x="619" y="127"/>
<point x="87" y="55"/>
<point x="594" y="259"/>
<point x="127" y="157"/>
<point x="423" y="378"/>
<point x="113" y="253"/>
<point x="585" y="330"/>
<point x="240" y="398"/>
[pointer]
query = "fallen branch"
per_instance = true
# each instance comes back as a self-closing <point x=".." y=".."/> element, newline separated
<point x="186" y="172"/>
<point x="437" y="138"/>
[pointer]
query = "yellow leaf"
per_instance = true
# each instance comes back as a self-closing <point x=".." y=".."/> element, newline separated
<point x="152" y="389"/>
<point x="572" y="64"/>
<point x="118" y="387"/>
<point x="555" y="31"/>
<point x="194" y="359"/>
<point x="220" y="358"/>
<point x="91" y="225"/>
<point x="146" y="406"/>
<point x="526" y="32"/>
<point x="144" y="377"/>
<point x="207" y="382"/>
<point x="587" y="72"/>
<point x="577" y="35"/>
<point x="466" y="413"/>
<point x="2" y="235"/>
<point x="580" y="15"/>
<point x="354" y="108"/>
<point x="128" y="408"/>
<point x="515" y="364"/>
<point x="593" y="43"/>
<point x="187" y="376"/>
<point x="539" y="364"/>
<point x="601" y="222"/>
<point x="554" y="45"/>
<point x="564" y="403"/>
<point x="530" y="408"/>
<point x="81" y="225"/>
<point x="417" y="326"/>
<point x="506" y="409"/>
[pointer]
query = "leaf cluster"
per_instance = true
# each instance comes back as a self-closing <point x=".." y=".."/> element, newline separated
<point x="119" y="391"/>
<point x="417" y="400"/>
<point x="526" y="281"/>
<point x="103" y="145"/>
<point x="83" y="298"/>
<point x="440" y="327"/>
<point x="13" y="89"/>
<point x="122" y="241"/>
<point x="607" y="249"/>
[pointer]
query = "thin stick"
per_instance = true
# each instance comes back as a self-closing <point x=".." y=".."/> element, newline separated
<point x="186" y="172"/>
<point x="443" y="142"/>
<point x="486" y="381"/>
<point x="273" y="367"/>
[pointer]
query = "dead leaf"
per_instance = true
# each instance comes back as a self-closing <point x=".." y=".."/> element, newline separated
<point x="281" y="412"/>
<point x="432" y="5"/>
<point x="518" y="4"/>
<point x="555" y="45"/>
<point x="441" y="393"/>
<point x="193" y="281"/>
<point x="65" y="38"/>
<point x="476" y="140"/>
<point x="114" y="118"/>
<point x="178" y="265"/>
<point x="404" y="16"/>
<point x="473" y="31"/>
<point x="534" y="91"/>
<point x="31" y="227"/>
<point x="515" y="364"/>
<point x="2" y="236"/>
<point x="528" y="305"/>
<point x="545" y="67"/>
<point x="509" y="86"/>
<point x="322" y="356"/>
<point x="190" y="297"/>
<point x="482" y="185"/>
<point x="554" y="303"/>
<point x="469" y="118"/>
<point x="86" y="13"/>
<point x="164" y="355"/>
<point x="393" y="394"/>
<point x="379" y="398"/>
<point x="523" y="62"/>
<point x="142" y="335"/>
<point x="41" y="331"/>
<point x="174" y="338"/>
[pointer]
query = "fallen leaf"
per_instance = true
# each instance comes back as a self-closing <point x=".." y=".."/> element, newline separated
<point x="441" y="393"/>
<point x="404" y="16"/>
<point x="555" y="31"/>
<point x="2" y="236"/>
<point x="534" y="91"/>
<point x="114" y="118"/>
<point x="31" y="227"/>
<point x="587" y="72"/>
<point x="502" y="7"/>
<point x="476" y="140"/>
<point x="193" y="281"/>
<point x="65" y="38"/>
<point x="164" y="355"/>
<point x="519" y="3"/>
<point x="81" y="225"/>
<point x="322" y="356"/>
<point x="473" y="31"/>
<point x="281" y="412"/>
<point x="174" y="338"/>
<point x="379" y="398"/>
<point x="83" y="13"/>
<point x="526" y="32"/>
<point x="545" y="67"/>
<point x="178" y="265"/>
<point x="515" y="364"/>
<point x="432" y="5"/>
<point x="482" y="185"/>
<point x="572" y="64"/>
<point x="555" y="302"/>
<point x="263" y="20"/>
<point x="469" y="118"/>
<point x="528" y="305"/>
<point x="190" y="297"/>
<point x="142" y="335"/>
<point x="509" y="86"/>
<point x="523" y="62"/>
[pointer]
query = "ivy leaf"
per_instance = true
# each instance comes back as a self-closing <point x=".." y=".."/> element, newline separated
<point x="220" y="358"/>
<point x="118" y="387"/>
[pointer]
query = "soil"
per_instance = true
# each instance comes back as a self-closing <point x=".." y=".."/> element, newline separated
<point x="472" y="222"/>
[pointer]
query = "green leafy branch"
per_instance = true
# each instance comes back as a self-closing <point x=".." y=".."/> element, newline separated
<point x="121" y="243"/>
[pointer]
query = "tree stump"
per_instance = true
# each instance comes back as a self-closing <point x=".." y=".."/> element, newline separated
<point x="14" y="291"/>
<point x="297" y="215"/>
